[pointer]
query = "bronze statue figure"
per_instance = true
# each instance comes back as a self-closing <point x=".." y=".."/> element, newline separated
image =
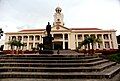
<point x="48" y="29"/>
<point x="47" y="42"/>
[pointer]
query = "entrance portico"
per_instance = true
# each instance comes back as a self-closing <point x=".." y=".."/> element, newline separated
<point x="61" y="41"/>
<point x="58" y="45"/>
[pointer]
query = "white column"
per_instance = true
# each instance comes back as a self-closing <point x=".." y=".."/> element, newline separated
<point x="96" y="43"/>
<point x="6" y="41"/>
<point x="77" y="40"/>
<point x="103" y="43"/>
<point x="72" y="41"/>
<point x="63" y="41"/>
<point x="82" y="37"/>
<point x="28" y="43"/>
<point x="34" y="41"/>
<point x="42" y="38"/>
<point x="16" y="37"/>
<point x="110" y="44"/>
<point x="90" y="43"/>
<point x="52" y="35"/>
<point x="22" y="39"/>
<point x="52" y="42"/>
<point x="83" y="40"/>
<point x="110" y="41"/>
<point x="114" y="40"/>
<point x="68" y="40"/>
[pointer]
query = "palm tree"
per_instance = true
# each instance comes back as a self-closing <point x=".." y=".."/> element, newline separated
<point x="86" y="43"/>
<point x="16" y="43"/>
<point x="90" y="40"/>
<point x="12" y="43"/>
<point x="93" y="41"/>
<point x="23" y="45"/>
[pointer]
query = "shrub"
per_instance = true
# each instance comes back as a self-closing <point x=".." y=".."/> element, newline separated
<point x="114" y="57"/>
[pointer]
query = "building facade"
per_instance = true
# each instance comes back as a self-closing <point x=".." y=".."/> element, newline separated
<point x="66" y="38"/>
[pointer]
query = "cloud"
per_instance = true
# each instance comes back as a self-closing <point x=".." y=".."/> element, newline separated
<point x="104" y="14"/>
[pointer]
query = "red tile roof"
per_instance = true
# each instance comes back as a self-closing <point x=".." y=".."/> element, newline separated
<point x="32" y="30"/>
<point x="85" y="29"/>
<point x="27" y="30"/>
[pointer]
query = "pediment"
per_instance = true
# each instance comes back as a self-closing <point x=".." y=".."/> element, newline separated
<point x="59" y="28"/>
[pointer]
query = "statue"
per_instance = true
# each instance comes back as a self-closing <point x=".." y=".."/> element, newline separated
<point x="48" y="29"/>
<point x="47" y="42"/>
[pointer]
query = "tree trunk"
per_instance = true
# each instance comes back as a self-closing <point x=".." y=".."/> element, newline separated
<point x="16" y="50"/>
<point x="88" y="48"/>
<point x="22" y="50"/>
<point x="12" y="49"/>
<point x="85" y="51"/>
<point x="93" y="49"/>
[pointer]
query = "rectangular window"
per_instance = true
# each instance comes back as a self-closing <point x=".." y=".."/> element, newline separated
<point x="106" y="36"/>
<point x="66" y="36"/>
<point x="79" y="37"/>
<point x="107" y="45"/>
<point x="37" y="38"/>
<point x="25" y="38"/>
<point x="31" y="38"/>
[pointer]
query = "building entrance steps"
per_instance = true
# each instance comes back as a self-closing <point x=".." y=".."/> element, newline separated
<point x="57" y="67"/>
<point x="50" y="61"/>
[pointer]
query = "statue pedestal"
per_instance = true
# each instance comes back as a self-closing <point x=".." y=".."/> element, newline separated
<point x="47" y="45"/>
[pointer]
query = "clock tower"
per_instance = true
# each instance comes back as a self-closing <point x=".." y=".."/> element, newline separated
<point x="58" y="18"/>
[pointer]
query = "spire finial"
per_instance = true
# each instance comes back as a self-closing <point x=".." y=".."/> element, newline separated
<point x="58" y="2"/>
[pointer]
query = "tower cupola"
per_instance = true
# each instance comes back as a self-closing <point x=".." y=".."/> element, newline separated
<point x="58" y="10"/>
<point x="58" y="17"/>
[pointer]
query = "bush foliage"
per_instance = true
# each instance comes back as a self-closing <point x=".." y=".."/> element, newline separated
<point x="115" y="57"/>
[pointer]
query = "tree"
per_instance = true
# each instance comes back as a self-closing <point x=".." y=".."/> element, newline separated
<point x="86" y="42"/>
<point x="90" y="40"/>
<point x="16" y="43"/>
<point x="93" y="41"/>
<point x="23" y="45"/>
<point x="40" y="46"/>
<point x="12" y="43"/>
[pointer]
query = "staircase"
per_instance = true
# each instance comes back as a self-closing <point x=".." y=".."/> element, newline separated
<point x="66" y="52"/>
<point x="57" y="67"/>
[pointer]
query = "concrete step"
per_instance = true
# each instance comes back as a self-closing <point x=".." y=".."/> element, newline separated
<point x="53" y="64"/>
<point x="50" y="61"/>
<point x="109" y="73"/>
<point x="47" y="57"/>
<point x="66" y="52"/>
<point x="58" y="69"/>
<point x="112" y="71"/>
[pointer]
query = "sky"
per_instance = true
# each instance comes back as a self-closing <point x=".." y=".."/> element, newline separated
<point x="16" y="15"/>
